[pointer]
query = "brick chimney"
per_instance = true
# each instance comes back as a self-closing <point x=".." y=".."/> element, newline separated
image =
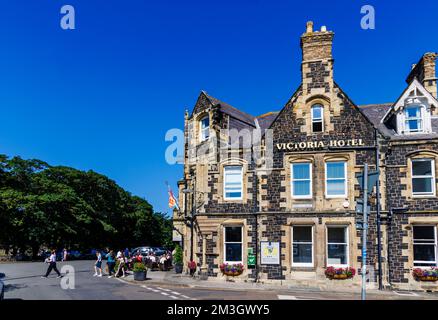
<point x="317" y="64"/>
<point x="425" y="72"/>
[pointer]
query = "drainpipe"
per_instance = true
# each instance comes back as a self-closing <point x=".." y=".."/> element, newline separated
<point x="379" y="235"/>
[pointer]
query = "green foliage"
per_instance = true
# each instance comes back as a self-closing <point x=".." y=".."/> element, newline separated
<point x="46" y="206"/>
<point x="139" y="267"/>
<point x="178" y="256"/>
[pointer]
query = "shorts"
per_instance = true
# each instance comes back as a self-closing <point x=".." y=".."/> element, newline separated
<point x="99" y="264"/>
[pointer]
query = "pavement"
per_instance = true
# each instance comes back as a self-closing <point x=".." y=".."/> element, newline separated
<point x="23" y="281"/>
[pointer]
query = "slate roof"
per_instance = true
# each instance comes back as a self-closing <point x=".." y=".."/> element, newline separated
<point x="232" y="111"/>
<point x="376" y="112"/>
<point x="265" y="120"/>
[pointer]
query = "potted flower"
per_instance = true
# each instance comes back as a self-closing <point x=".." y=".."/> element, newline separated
<point x="333" y="273"/>
<point x="140" y="271"/>
<point x="178" y="259"/>
<point x="425" y="274"/>
<point x="232" y="270"/>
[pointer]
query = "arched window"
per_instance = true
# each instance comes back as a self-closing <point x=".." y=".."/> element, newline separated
<point x="317" y="118"/>
<point x="205" y="128"/>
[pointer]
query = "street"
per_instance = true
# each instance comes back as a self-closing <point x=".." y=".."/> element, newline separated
<point x="23" y="281"/>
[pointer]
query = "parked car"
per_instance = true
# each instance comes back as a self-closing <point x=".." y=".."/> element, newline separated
<point x="74" y="255"/>
<point x="143" y="251"/>
<point x="2" y="290"/>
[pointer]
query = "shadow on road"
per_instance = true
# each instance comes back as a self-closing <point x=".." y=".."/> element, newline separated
<point x="2" y="275"/>
<point x="11" y="287"/>
<point x="38" y="276"/>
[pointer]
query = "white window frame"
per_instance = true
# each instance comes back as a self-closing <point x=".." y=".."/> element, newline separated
<point x="225" y="183"/>
<point x="310" y="195"/>
<point x="421" y="194"/>
<point x="225" y="243"/>
<point x="421" y="119"/>
<point x="425" y="243"/>
<point x="202" y="131"/>
<point x="347" y="243"/>
<point x="318" y="120"/>
<point x="298" y="264"/>
<point x="338" y="196"/>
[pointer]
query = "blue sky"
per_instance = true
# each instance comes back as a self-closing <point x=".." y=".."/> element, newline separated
<point x="103" y="96"/>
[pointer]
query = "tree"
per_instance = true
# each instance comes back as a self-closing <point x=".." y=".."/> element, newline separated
<point x="53" y="207"/>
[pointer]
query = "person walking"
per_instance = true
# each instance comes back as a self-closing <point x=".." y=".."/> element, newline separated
<point x="64" y="255"/>
<point x="121" y="267"/>
<point x="52" y="265"/>
<point x="127" y="253"/>
<point x="111" y="262"/>
<point x="98" y="265"/>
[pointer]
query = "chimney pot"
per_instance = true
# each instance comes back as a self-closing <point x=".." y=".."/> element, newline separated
<point x="309" y="28"/>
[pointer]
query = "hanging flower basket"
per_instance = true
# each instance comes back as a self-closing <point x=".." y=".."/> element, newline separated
<point x="232" y="270"/>
<point x="429" y="275"/>
<point x="340" y="273"/>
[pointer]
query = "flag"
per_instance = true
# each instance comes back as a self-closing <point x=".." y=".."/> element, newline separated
<point x="172" y="200"/>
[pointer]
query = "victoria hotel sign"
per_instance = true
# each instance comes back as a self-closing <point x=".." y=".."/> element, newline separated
<point x="315" y="145"/>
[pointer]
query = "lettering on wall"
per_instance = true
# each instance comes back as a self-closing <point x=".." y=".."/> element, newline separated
<point x="315" y="145"/>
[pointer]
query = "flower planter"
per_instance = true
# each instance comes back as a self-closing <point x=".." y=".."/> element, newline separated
<point x="340" y="276"/>
<point x="232" y="270"/>
<point x="340" y="273"/>
<point x="427" y="279"/>
<point x="428" y="275"/>
<point x="232" y="274"/>
<point x="140" y="276"/>
<point x="178" y="268"/>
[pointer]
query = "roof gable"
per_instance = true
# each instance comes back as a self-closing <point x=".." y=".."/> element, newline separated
<point x="414" y="90"/>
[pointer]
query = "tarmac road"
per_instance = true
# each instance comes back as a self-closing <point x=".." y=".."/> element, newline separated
<point x="23" y="281"/>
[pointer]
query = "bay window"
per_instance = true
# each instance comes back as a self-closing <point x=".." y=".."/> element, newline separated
<point x="302" y="246"/>
<point x="233" y="182"/>
<point x="301" y="180"/>
<point x="425" y="245"/>
<point x="337" y="246"/>
<point x="336" y="179"/>
<point x="233" y="244"/>
<point x="423" y="177"/>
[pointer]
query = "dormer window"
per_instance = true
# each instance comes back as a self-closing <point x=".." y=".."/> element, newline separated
<point x="413" y="119"/>
<point x="317" y="118"/>
<point x="204" y="128"/>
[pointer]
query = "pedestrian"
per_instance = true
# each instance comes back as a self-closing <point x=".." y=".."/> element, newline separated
<point x="121" y="267"/>
<point x="52" y="265"/>
<point x="126" y="253"/>
<point x="64" y="255"/>
<point x="98" y="265"/>
<point x="111" y="262"/>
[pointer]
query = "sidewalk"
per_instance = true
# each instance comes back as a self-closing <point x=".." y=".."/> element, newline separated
<point x="172" y="279"/>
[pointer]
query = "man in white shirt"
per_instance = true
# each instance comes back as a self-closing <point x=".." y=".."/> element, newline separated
<point x="52" y="265"/>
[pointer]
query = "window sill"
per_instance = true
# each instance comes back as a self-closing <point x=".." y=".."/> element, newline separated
<point x="302" y="269"/>
<point x="427" y="196"/>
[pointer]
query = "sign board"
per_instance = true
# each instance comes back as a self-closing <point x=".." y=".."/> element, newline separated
<point x="251" y="260"/>
<point x="270" y="252"/>
<point x="372" y="180"/>
<point x="176" y="237"/>
<point x="250" y="251"/>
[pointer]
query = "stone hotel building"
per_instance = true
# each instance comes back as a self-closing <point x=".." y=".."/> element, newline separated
<point x="288" y="199"/>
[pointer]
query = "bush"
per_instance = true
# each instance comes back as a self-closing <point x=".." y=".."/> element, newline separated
<point x="178" y="256"/>
<point x="139" y="267"/>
